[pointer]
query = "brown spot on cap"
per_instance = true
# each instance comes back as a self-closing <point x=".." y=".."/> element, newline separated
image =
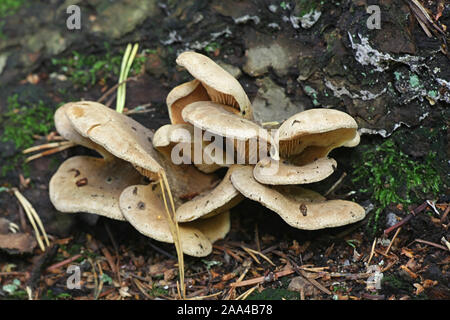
<point x="141" y="205"/>
<point x="77" y="172"/>
<point x="82" y="182"/>
<point x="303" y="209"/>
<point x="78" y="112"/>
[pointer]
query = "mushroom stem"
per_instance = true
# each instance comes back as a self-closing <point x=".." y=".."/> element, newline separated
<point x="173" y="225"/>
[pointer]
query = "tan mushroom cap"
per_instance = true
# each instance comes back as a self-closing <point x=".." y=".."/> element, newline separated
<point x="285" y="173"/>
<point x="170" y="135"/>
<point x="222" y="198"/>
<point x="65" y="128"/>
<point x="296" y="209"/>
<point x="173" y="133"/>
<point x="214" y="118"/>
<point x="181" y="96"/>
<point x="221" y="86"/>
<point x="143" y="207"/>
<point x="315" y="132"/>
<point x="120" y="135"/>
<point x="92" y="185"/>
<point x="214" y="228"/>
<point x="353" y="142"/>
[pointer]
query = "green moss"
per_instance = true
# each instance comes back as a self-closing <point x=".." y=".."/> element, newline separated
<point x="211" y="47"/>
<point x="87" y="69"/>
<point x="305" y="6"/>
<point x="392" y="177"/>
<point x="157" y="291"/>
<point x="10" y="7"/>
<point x="22" y="121"/>
<point x="50" y="295"/>
<point x="274" y="294"/>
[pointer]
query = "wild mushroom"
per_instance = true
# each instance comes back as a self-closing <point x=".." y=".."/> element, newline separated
<point x="143" y="208"/>
<point x="285" y="173"/>
<point x="300" y="208"/>
<point x="65" y="128"/>
<point x="89" y="184"/>
<point x="212" y="83"/>
<point x="181" y="96"/>
<point x="92" y="185"/>
<point x="208" y="203"/>
<point x="181" y="140"/>
<point x="216" y="119"/>
<point x="120" y="135"/>
<point x="101" y="125"/>
<point x="313" y="133"/>
<point x="222" y="198"/>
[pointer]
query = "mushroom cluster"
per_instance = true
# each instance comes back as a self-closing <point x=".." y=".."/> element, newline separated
<point x="211" y="128"/>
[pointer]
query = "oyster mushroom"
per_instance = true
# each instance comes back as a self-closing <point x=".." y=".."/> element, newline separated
<point x="216" y="119"/>
<point x="89" y="184"/>
<point x="118" y="134"/>
<point x="222" y="198"/>
<point x="93" y="185"/>
<point x="144" y="209"/>
<point x="180" y="138"/>
<point x="285" y="173"/>
<point x="313" y="133"/>
<point x="300" y="208"/>
<point x="208" y="203"/>
<point x="65" y="128"/>
<point x="181" y="96"/>
<point x="101" y="124"/>
<point x="212" y="83"/>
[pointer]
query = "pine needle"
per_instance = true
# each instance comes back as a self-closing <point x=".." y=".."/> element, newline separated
<point x="127" y="61"/>
<point x="173" y="225"/>
<point x="34" y="219"/>
<point x="61" y="147"/>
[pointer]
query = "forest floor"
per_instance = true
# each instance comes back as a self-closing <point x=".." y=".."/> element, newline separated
<point x="399" y="172"/>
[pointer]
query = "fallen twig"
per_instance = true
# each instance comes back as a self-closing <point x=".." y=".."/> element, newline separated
<point x="445" y="214"/>
<point x="247" y="293"/>
<point x="336" y="184"/>
<point x="63" y="263"/>
<point x="431" y="244"/>
<point x="392" y="241"/>
<point x="113" y="89"/>
<point x="444" y="241"/>
<point x="262" y="279"/>
<point x="372" y="251"/>
<point x="417" y="210"/>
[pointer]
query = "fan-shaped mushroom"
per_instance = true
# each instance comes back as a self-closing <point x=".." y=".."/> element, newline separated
<point x="299" y="208"/>
<point x="243" y="133"/>
<point x="313" y="133"/>
<point x="89" y="184"/>
<point x="180" y="143"/>
<point x="92" y="185"/>
<point x="143" y="207"/>
<point x="212" y="83"/>
<point x="283" y="172"/>
<point x="222" y="198"/>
